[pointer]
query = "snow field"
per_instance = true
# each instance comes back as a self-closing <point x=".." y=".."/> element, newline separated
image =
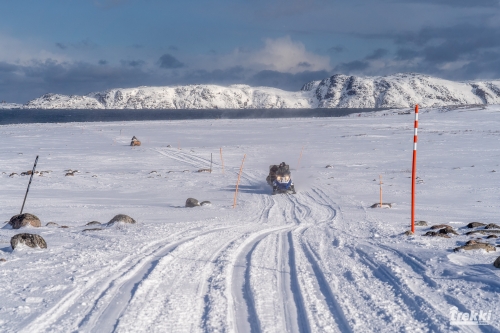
<point x="317" y="261"/>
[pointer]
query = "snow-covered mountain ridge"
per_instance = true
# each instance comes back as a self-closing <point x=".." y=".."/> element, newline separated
<point x="338" y="91"/>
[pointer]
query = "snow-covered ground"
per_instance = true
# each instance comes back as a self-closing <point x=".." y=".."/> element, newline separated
<point x="317" y="261"/>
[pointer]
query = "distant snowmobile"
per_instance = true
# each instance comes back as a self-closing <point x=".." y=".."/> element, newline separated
<point x="280" y="179"/>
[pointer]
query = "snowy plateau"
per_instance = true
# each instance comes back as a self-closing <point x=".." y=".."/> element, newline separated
<point x="319" y="261"/>
<point x="337" y="91"/>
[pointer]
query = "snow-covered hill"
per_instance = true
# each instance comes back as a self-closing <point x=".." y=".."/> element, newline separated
<point x="337" y="91"/>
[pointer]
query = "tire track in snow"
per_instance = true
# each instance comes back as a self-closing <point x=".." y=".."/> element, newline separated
<point x="113" y="301"/>
<point x="93" y="290"/>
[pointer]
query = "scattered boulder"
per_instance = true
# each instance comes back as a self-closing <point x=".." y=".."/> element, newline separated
<point x="421" y="223"/>
<point x="135" y="141"/>
<point x="30" y="240"/>
<point x="205" y="203"/>
<point x="497" y="263"/>
<point x="93" y="223"/>
<point x="439" y="226"/>
<point x="384" y="205"/>
<point x="475" y="224"/>
<point x="408" y="233"/>
<point x="205" y="170"/>
<point x="52" y="224"/>
<point x="121" y="218"/>
<point x="92" y="229"/>
<point x="3" y="259"/>
<point x="69" y="174"/>
<point x="476" y="246"/>
<point x="492" y="226"/>
<point x="448" y="230"/>
<point x="436" y="234"/>
<point x="26" y="173"/>
<point x="483" y="232"/>
<point x="191" y="202"/>
<point x="492" y="236"/>
<point x="13" y="174"/>
<point x="64" y="227"/>
<point x="23" y="220"/>
<point x="329" y="166"/>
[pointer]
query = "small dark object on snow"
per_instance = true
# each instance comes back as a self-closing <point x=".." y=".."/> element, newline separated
<point x="93" y="223"/>
<point x="436" y="234"/>
<point x="69" y="174"/>
<point x="492" y="226"/>
<point x="93" y="229"/>
<point x="476" y="246"/>
<point x="204" y="170"/>
<point x="192" y="202"/>
<point x="408" y="233"/>
<point x="64" y="227"/>
<point x="329" y="166"/>
<point x="121" y="218"/>
<point x="13" y="174"/>
<point x="448" y="230"/>
<point x="23" y="220"/>
<point x="421" y="223"/>
<point x="492" y="236"/>
<point x="484" y="232"/>
<point x="205" y="203"/>
<point x="30" y="240"/>
<point x="384" y="205"/>
<point x="497" y="263"/>
<point x="475" y="224"/>
<point x="3" y="259"/>
<point x="135" y="141"/>
<point x="439" y="226"/>
<point x="52" y="224"/>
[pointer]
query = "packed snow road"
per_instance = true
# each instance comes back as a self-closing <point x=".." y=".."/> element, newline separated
<point x="317" y="261"/>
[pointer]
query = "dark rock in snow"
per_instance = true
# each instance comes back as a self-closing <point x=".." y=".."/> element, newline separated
<point x="476" y="246"/>
<point x="191" y="202"/>
<point x="30" y="240"/>
<point x="475" y="224"/>
<point x="121" y="218"/>
<point x="447" y="230"/>
<point x="439" y="226"/>
<point x="492" y="226"/>
<point x="421" y="223"/>
<point x="492" y="236"/>
<point x="52" y="224"/>
<point x="205" y="203"/>
<point x="497" y="263"/>
<point x="92" y="229"/>
<point x="93" y="223"/>
<point x="23" y="220"/>
<point x="436" y="234"/>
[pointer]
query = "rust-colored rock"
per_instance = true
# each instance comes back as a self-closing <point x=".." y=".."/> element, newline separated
<point x="24" y="220"/>
<point x="30" y="240"/>
<point x="135" y="141"/>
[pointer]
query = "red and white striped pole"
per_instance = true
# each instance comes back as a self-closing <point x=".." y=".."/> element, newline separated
<point x="414" y="170"/>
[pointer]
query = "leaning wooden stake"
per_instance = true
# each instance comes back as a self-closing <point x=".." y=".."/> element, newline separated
<point x="300" y="158"/>
<point x="222" y="160"/>
<point x="27" y="190"/>
<point x="238" y="182"/>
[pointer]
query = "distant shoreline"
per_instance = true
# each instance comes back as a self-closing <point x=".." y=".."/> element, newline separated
<point x="29" y="116"/>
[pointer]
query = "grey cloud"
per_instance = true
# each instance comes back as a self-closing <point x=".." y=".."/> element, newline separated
<point x="304" y="64"/>
<point x="286" y="81"/>
<point x="351" y="67"/>
<point x="62" y="46"/>
<point x="336" y="49"/>
<point x="377" y="54"/>
<point x="132" y="63"/>
<point x="168" y="61"/>
<point x="103" y="62"/>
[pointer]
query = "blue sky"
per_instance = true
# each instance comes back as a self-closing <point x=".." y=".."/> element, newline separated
<point x="79" y="46"/>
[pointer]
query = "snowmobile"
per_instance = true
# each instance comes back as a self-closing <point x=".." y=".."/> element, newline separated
<point x="280" y="179"/>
